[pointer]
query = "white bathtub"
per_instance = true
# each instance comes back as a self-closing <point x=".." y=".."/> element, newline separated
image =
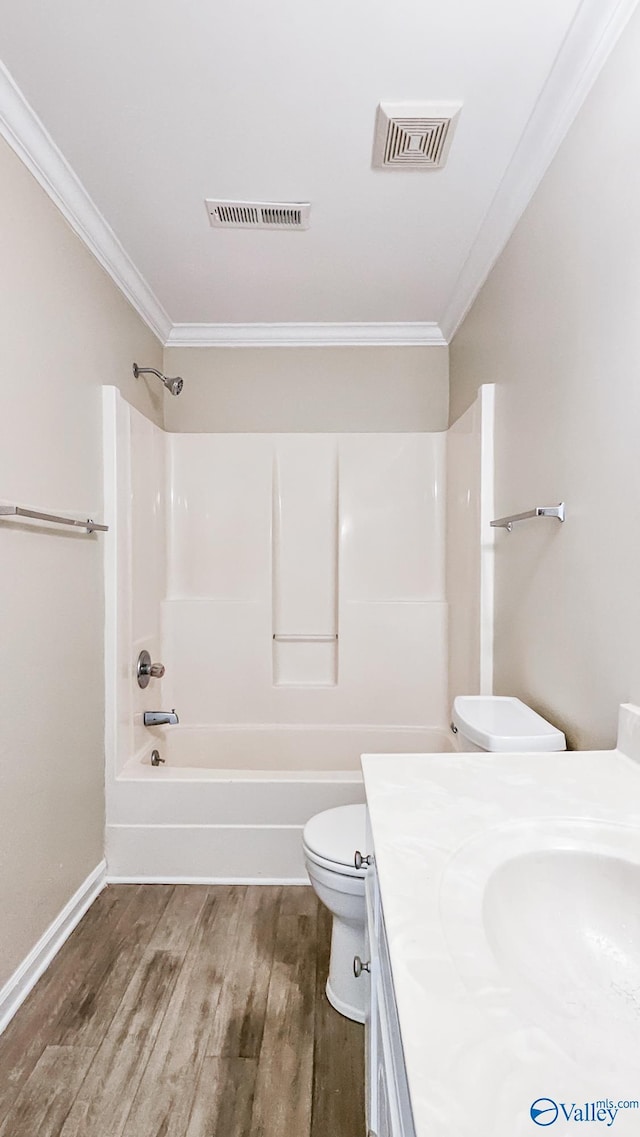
<point x="230" y="802"/>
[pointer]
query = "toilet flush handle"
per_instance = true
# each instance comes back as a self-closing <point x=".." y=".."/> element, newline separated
<point x="360" y="861"/>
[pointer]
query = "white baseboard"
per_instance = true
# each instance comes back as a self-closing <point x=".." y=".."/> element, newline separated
<point x="18" y="986"/>
<point x="287" y="880"/>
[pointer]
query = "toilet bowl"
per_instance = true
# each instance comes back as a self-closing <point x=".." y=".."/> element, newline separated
<point x="480" y="722"/>
<point x="330" y="840"/>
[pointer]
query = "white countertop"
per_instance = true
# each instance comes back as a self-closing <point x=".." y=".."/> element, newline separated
<point x="481" y="1042"/>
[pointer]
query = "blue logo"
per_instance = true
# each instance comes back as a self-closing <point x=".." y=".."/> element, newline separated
<point x="544" y="1111"/>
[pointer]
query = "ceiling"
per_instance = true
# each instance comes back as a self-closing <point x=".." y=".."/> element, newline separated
<point x="157" y="104"/>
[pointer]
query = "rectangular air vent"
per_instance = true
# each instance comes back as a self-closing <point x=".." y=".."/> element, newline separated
<point x="414" y="136"/>
<point x="258" y="214"/>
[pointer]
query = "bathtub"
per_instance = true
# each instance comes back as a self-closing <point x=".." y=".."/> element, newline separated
<point x="230" y="802"/>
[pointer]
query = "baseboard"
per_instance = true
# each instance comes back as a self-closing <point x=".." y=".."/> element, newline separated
<point x="208" y="880"/>
<point x="25" y="977"/>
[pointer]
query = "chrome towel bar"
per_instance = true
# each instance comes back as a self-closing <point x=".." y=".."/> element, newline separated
<point x="19" y="511"/>
<point x="507" y="523"/>
<point x="296" y="638"/>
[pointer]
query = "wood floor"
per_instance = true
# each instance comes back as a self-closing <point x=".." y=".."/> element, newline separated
<point x="186" y="1011"/>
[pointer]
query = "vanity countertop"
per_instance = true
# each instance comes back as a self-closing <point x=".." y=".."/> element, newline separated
<point x="503" y="997"/>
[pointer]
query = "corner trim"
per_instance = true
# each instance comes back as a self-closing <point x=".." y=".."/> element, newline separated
<point x="306" y="335"/>
<point x="26" y="975"/>
<point x="31" y="141"/>
<point x="588" y="43"/>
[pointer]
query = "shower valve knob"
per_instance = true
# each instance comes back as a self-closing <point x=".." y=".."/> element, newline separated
<point x="147" y="670"/>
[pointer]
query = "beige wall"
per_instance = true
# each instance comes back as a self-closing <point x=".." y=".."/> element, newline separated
<point x="66" y="330"/>
<point x="309" y="389"/>
<point x="557" y="328"/>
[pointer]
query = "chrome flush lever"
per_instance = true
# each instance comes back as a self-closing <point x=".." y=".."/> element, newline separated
<point x="360" y="861"/>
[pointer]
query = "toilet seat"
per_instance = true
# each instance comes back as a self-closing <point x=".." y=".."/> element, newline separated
<point x="331" y="838"/>
<point x="333" y="866"/>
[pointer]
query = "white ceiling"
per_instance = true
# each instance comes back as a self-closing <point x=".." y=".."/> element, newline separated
<point x="157" y="104"/>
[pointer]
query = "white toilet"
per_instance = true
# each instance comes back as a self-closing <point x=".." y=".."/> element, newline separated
<point x="330" y="841"/>
<point x="501" y="724"/>
<point x="480" y="722"/>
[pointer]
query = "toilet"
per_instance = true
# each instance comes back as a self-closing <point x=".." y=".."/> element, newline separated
<point x="490" y="723"/>
<point x="330" y="840"/>
<point x="501" y="724"/>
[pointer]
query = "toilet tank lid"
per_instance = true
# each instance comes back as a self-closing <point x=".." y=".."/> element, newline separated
<point x="336" y="833"/>
<point x="501" y="724"/>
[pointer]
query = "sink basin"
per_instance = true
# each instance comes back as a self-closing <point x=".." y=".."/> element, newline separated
<point x="543" y="920"/>
<point x="564" y="927"/>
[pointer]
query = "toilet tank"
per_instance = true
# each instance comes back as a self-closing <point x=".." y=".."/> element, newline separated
<point x="502" y="724"/>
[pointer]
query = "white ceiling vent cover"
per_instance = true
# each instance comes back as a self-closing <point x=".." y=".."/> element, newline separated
<point x="258" y="214"/>
<point x="414" y="136"/>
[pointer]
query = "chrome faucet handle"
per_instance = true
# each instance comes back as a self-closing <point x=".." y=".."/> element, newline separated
<point x="147" y="670"/>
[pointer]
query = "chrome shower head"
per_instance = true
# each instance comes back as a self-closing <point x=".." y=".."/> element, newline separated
<point x="173" y="385"/>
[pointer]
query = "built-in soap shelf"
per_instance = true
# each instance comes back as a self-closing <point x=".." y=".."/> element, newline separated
<point x="282" y="637"/>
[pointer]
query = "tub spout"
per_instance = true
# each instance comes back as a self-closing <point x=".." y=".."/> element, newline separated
<point x="160" y="718"/>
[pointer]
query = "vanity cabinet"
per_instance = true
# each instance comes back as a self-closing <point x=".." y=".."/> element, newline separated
<point x="387" y="1093"/>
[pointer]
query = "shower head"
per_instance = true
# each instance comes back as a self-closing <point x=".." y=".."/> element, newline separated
<point x="173" y="385"/>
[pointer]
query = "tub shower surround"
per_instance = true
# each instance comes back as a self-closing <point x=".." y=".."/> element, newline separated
<point x="294" y="587"/>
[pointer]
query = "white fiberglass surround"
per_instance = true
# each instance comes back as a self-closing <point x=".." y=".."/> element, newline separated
<point x="294" y="587"/>
<point x="339" y="537"/>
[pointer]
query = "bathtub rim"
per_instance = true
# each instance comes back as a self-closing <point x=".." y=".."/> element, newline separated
<point x="138" y="771"/>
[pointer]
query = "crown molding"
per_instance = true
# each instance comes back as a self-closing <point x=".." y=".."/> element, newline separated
<point x="588" y="43"/>
<point x="306" y="335"/>
<point x="25" y="133"/>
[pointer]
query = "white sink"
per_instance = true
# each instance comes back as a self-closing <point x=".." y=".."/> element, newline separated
<point x="564" y="926"/>
<point x="548" y="914"/>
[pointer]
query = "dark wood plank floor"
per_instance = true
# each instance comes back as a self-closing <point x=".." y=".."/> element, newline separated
<point x="186" y="1011"/>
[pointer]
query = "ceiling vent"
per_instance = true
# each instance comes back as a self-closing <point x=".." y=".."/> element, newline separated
<point x="414" y="136"/>
<point x="258" y="214"/>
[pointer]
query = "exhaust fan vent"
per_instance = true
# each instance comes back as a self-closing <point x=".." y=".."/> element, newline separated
<point x="258" y="214"/>
<point x="414" y="136"/>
